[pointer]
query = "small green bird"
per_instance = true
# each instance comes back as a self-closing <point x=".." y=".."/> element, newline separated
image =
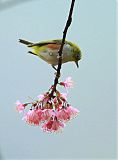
<point x="48" y="51"/>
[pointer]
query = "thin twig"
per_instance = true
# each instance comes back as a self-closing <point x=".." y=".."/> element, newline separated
<point x="69" y="20"/>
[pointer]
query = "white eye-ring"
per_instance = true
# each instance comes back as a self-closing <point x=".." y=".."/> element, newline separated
<point x="50" y="53"/>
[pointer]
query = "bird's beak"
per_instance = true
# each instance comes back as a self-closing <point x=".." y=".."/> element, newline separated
<point x="76" y="62"/>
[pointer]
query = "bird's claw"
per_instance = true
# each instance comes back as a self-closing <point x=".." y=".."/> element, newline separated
<point x="54" y="67"/>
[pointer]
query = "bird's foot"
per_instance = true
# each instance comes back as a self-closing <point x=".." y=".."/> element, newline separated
<point x="54" y="67"/>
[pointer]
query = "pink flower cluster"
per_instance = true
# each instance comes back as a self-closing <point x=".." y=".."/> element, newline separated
<point x="68" y="83"/>
<point x="51" y="112"/>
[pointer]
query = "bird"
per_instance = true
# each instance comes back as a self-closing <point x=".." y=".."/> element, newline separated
<point x="48" y="51"/>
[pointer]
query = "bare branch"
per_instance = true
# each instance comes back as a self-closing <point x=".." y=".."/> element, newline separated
<point x="69" y="20"/>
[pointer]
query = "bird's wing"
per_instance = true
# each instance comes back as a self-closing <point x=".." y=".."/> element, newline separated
<point x="51" y="42"/>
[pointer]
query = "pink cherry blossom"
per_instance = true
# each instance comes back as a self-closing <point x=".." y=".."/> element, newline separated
<point x="63" y="115"/>
<point x="53" y="125"/>
<point x="68" y="83"/>
<point x="57" y="102"/>
<point x="51" y="110"/>
<point x="33" y="117"/>
<point x="20" y="106"/>
<point x="73" y="112"/>
<point x="47" y="114"/>
<point x="66" y="114"/>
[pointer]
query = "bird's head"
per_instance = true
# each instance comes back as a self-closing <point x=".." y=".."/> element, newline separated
<point x="76" y="54"/>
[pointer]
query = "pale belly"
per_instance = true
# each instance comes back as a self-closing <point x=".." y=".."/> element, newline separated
<point x="51" y="57"/>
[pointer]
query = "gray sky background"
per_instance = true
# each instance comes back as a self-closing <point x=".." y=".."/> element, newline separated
<point x="93" y="133"/>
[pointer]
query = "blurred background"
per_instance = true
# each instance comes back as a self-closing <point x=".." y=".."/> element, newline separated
<point x="92" y="135"/>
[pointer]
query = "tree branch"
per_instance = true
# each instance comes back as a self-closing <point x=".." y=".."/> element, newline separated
<point x="69" y="20"/>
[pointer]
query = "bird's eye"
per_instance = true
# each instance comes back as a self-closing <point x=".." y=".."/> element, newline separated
<point x="78" y="56"/>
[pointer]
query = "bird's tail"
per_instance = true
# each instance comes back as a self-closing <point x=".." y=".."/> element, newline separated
<point x="25" y="42"/>
<point x="28" y="44"/>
